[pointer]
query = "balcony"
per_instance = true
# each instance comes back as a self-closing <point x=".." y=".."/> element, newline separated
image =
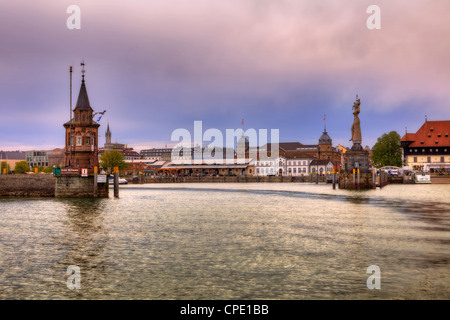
<point x="86" y="148"/>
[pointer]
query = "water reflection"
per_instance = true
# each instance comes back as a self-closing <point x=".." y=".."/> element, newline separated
<point x="84" y="240"/>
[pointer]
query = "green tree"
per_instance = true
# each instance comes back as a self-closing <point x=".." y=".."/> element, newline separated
<point x="387" y="151"/>
<point x="21" y="167"/>
<point x="113" y="158"/>
<point x="6" y="166"/>
<point x="47" y="170"/>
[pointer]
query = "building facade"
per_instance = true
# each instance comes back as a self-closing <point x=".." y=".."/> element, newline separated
<point x="429" y="148"/>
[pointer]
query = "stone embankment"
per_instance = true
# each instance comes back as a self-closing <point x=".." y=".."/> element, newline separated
<point x="27" y="185"/>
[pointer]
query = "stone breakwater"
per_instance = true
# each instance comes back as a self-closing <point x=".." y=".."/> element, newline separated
<point x="39" y="185"/>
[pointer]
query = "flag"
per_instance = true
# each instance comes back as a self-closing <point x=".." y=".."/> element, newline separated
<point x="323" y="117"/>
<point x="99" y="118"/>
<point x="242" y="123"/>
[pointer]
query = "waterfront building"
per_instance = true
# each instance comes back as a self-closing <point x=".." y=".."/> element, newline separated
<point x="324" y="150"/>
<point x="11" y="158"/>
<point x="45" y="158"/>
<point x="297" y="163"/>
<point x="429" y="148"/>
<point x="157" y="154"/>
<point x="321" y="166"/>
<point x="36" y="158"/>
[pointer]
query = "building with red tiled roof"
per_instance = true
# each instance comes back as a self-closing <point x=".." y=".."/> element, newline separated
<point x="428" y="148"/>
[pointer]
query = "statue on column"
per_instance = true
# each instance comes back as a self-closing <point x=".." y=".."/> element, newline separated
<point x="356" y="127"/>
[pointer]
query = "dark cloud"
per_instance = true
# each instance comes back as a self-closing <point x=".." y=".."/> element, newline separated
<point x="160" y="65"/>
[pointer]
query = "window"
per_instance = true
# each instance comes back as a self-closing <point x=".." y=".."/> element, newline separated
<point x="88" y="140"/>
<point x="79" y="142"/>
<point x="442" y="159"/>
<point x="428" y="159"/>
<point x="83" y="117"/>
<point x="415" y="159"/>
<point x="76" y="117"/>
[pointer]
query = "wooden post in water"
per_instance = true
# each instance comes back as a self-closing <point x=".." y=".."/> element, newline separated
<point x="354" y="182"/>
<point x="374" y="176"/>
<point x="116" y="182"/>
<point x="334" y="179"/>
<point x="95" y="182"/>
<point x="359" y="178"/>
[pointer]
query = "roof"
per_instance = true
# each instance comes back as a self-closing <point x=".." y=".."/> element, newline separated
<point x="286" y="146"/>
<point x="83" y="99"/>
<point x="431" y="134"/>
<point x="325" y="138"/>
<point x="12" y="155"/>
<point x="71" y="121"/>
<point x="295" y="155"/>
<point x="317" y="162"/>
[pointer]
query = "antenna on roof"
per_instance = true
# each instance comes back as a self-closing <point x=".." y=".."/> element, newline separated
<point x="426" y="118"/>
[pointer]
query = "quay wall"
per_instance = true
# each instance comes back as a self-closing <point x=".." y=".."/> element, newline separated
<point x="79" y="187"/>
<point x="243" y="179"/>
<point x="440" y="179"/>
<point x="365" y="181"/>
<point x="27" y="185"/>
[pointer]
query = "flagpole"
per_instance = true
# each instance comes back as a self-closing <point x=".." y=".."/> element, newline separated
<point x="70" y="135"/>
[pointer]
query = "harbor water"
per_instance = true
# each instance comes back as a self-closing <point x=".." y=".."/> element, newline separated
<point x="229" y="241"/>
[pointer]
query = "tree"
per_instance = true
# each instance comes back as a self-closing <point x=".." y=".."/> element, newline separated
<point x="6" y="166"/>
<point x="387" y="151"/>
<point x="21" y="167"/>
<point x="113" y="158"/>
<point x="47" y="169"/>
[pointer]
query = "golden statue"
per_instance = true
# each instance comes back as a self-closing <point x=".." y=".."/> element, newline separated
<point x="356" y="127"/>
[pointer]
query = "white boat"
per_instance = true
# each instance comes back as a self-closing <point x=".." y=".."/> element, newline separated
<point x="121" y="181"/>
<point x="422" y="178"/>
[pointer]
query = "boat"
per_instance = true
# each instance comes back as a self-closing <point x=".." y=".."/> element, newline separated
<point x="121" y="181"/>
<point x="422" y="178"/>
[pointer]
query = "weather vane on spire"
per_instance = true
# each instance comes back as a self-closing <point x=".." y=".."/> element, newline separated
<point x="82" y="69"/>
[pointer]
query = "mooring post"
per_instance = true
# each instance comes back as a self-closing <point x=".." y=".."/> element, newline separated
<point x="354" y="177"/>
<point x="334" y="178"/>
<point x="374" y="183"/>
<point x="359" y="178"/>
<point x="116" y="182"/>
<point x="95" y="182"/>
<point x="317" y="177"/>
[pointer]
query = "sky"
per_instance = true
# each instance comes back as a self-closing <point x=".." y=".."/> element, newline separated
<point x="160" y="65"/>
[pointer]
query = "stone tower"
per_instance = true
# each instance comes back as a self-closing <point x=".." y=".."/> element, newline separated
<point x="325" y="147"/>
<point x="81" y="141"/>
